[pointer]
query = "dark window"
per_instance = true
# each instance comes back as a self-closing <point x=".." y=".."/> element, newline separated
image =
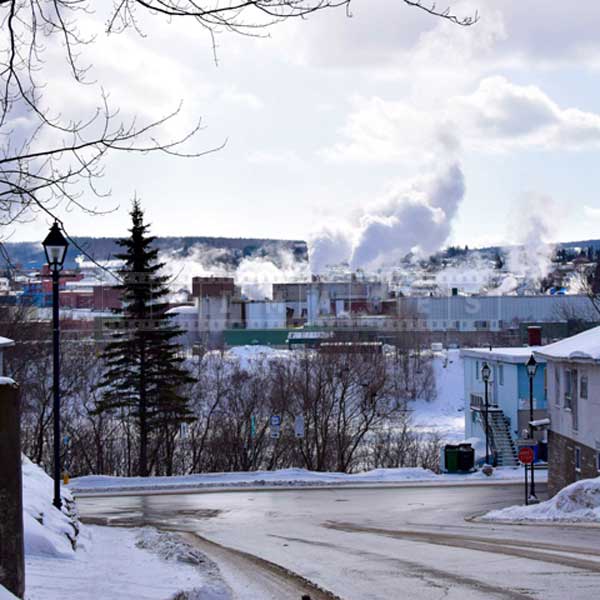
<point x="578" y="459"/>
<point x="583" y="387"/>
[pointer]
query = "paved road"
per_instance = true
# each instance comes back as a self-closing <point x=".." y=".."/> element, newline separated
<point x="381" y="544"/>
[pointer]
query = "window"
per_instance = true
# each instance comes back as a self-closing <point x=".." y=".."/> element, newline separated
<point x="556" y="385"/>
<point x="598" y="463"/>
<point x="477" y="370"/>
<point x="568" y="388"/>
<point x="583" y="387"/>
<point x="501" y="374"/>
<point x="577" y="459"/>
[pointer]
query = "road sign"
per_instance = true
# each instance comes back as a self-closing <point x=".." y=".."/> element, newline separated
<point x="299" y="426"/>
<point x="275" y="426"/>
<point x="526" y="442"/>
<point x="526" y="455"/>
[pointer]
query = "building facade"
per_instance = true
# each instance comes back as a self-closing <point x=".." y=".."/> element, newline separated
<point x="573" y="379"/>
<point x="508" y="399"/>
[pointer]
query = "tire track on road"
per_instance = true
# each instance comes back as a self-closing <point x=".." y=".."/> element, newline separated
<point x="516" y="548"/>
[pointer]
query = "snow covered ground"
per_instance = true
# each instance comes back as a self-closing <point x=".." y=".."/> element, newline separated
<point x="67" y="560"/>
<point x="283" y="478"/>
<point x="128" y="564"/>
<point x="577" y="503"/>
<point x="445" y="414"/>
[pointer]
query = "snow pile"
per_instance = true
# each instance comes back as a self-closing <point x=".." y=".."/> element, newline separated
<point x="5" y="594"/>
<point x="48" y="531"/>
<point x="279" y="478"/>
<point x="172" y="549"/>
<point x="114" y="566"/>
<point x="247" y="356"/>
<point x="577" y="503"/>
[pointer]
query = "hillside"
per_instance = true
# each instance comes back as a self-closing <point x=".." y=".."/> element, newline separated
<point x="30" y="255"/>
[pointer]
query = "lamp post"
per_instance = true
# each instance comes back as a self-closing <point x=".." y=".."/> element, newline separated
<point x="485" y="375"/>
<point x="531" y="369"/>
<point x="55" y="247"/>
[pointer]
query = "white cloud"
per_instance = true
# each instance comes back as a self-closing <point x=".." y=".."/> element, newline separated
<point x="592" y="212"/>
<point x="500" y="114"/>
<point x="497" y="116"/>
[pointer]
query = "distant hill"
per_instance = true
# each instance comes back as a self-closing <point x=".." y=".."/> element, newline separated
<point x="30" y="255"/>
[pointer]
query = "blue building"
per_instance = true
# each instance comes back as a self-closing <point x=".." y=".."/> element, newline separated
<point x="508" y="398"/>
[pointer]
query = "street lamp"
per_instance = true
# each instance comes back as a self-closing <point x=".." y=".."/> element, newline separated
<point x="485" y="375"/>
<point x="531" y="369"/>
<point x="55" y="247"/>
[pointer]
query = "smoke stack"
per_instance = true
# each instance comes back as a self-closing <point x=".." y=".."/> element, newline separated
<point x="534" y="335"/>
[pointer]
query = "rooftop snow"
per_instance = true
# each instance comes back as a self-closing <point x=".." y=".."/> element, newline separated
<point x="5" y="342"/>
<point x="583" y="346"/>
<point x="511" y="355"/>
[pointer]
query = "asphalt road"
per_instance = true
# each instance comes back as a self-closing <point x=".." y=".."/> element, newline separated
<point x="371" y="543"/>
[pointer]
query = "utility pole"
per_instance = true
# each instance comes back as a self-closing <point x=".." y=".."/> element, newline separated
<point x="12" y="552"/>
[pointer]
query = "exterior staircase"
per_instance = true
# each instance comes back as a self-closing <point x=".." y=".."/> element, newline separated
<point x="503" y="445"/>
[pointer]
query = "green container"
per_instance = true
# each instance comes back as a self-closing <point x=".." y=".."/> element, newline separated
<point x="451" y="456"/>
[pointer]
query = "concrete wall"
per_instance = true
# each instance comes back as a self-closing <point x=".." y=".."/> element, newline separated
<point x="266" y="315"/>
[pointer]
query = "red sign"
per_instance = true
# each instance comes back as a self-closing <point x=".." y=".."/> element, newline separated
<point x="526" y="455"/>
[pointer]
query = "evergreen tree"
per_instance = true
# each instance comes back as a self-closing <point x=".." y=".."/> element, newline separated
<point x="143" y="367"/>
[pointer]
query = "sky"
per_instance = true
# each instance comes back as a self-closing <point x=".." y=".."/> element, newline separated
<point x="342" y="129"/>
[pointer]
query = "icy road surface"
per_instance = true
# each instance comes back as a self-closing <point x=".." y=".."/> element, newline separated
<point x="374" y="543"/>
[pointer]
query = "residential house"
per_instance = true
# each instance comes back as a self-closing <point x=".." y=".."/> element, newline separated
<point x="508" y="399"/>
<point x="573" y="380"/>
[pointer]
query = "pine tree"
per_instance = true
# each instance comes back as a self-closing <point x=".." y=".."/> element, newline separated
<point x="143" y="366"/>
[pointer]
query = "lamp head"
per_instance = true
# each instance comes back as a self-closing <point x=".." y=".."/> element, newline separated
<point x="485" y="372"/>
<point x="55" y="247"/>
<point x="531" y="366"/>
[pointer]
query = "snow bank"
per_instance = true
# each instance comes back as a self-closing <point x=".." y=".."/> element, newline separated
<point x="125" y="564"/>
<point x="6" y="595"/>
<point x="280" y="478"/>
<point x="48" y="531"/>
<point x="577" y="503"/>
<point x="172" y="549"/>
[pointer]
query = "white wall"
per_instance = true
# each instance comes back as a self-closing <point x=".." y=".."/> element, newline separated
<point x="266" y="315"/>
<point x="588" y="431"/>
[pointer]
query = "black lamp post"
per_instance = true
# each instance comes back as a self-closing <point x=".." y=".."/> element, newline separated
<point x="485" y="375"/>
<point x="55" y="247"/>
<point x="531" y="369"/>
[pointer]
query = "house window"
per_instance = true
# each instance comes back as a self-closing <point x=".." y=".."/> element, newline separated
<point x="577" y="458"/>
<point x="598" y="463"/>
<point x="556" y="386"/>
<point x="501" y="374"/>
<point x="477" y="370"/>
<point x="568" y="388"/>
<point x="583" y="387"/>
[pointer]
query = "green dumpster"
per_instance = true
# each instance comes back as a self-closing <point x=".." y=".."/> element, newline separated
<point x="451" y="458"/>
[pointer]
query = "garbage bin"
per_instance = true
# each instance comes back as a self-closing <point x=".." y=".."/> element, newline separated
<point x="465" y="458"/>
<point x="451" y="456"/>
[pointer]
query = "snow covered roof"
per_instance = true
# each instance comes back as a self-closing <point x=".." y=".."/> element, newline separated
<point x="509" y="355"/>
<point x="6" y="343"/>
<point x="583" y="346"/>
<point x="184" y="309"/>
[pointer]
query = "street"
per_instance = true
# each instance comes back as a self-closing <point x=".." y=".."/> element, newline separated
<point x="371" y="543"/>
